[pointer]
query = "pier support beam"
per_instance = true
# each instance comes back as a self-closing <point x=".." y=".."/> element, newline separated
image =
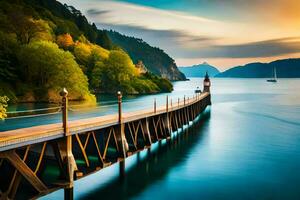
<point x="65" y="148"/>
<point x="121" y="140"/>
<point x="166" y="125"/>
<point x="146" y="131"/>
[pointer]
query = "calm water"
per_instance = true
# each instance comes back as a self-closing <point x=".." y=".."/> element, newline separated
<point x="107" y="104"/>
<point x="246" y="146"/>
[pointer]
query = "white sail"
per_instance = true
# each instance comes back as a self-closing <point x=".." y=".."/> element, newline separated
<point x="274" y="76"/>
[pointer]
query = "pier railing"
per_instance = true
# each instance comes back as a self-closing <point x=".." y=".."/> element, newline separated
<point x="57" y="108"/>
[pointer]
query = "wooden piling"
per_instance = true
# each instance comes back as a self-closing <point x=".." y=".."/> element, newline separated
<point x="69" y="193"/>
<point x="122" y="170"/>
<point x="167" y="104"/>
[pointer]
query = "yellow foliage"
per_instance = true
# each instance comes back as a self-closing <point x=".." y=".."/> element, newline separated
<point x="3" y="105"/>
<point x="82" y="52"/>
<point x="35" y="30"/>
<point x="86" y="52"/>
<point x="99" y="53"/>
<point x="83" y="39"/>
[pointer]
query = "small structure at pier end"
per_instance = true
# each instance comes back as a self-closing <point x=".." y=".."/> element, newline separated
<point x="206" y="83"/>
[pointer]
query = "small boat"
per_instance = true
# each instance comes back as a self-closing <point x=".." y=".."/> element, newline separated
<point x="274" y="79"/>
<point x="198" y="90"/>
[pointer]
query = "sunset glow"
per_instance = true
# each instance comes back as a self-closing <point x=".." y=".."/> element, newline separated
<point x="226" y="33"/>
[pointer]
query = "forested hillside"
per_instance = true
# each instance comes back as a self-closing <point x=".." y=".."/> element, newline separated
<point x="69" y="20"/>
<point x="155" y="59"/>
<point x="45" y="46"/>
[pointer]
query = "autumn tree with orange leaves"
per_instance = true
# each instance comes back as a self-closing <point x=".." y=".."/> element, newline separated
<point x="65" y="41"/>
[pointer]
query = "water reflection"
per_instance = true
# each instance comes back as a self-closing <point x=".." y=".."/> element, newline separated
<point x="154" y="166"/>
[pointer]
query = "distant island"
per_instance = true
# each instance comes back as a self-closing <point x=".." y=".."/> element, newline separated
<point x="286" y="68"/>
<point x="199" y="70"/>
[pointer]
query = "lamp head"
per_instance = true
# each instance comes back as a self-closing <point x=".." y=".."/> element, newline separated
<point x="119" y="93"/>
<point x="64" y="92"/>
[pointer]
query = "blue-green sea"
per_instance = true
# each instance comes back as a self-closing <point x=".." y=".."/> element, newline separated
<point x="245" y="146"/>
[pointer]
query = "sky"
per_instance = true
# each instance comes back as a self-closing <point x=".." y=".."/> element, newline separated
<point x="224" y="33"/>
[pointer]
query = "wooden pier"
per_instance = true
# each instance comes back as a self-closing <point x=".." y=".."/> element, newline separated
<point x="81" y="147"/>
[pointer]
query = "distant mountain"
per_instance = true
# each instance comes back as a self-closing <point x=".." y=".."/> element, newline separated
<point x="155" y="59"/>
<point x="199" y="70"/>
<point x="287" y="68"/>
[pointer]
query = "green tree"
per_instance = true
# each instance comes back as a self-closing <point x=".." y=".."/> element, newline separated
<point x="83" y="39"/>
<point x="103" y="40"/>
<point x="98" y="54"/>
<point x="155" y="59"/>
<point x="88" y="55"/>
<point x="8" y="61"/>
<point x="97" y="75"/>
<point x="3" y="106"/>
<point x="28" y="29"/>
<point x="49" y="69"/>
<point x="82" y="52"/>
<point x="118" y="68"/>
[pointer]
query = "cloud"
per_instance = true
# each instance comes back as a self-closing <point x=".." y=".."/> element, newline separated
<point x="138" y="30"/>
<point x="97" y="12"/>
<point x="173" y="35"/>
<point x="267" y="48"/>
<point x="120" y="13"/>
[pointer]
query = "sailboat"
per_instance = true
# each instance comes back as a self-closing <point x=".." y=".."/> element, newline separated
<point x="274" y="79"/>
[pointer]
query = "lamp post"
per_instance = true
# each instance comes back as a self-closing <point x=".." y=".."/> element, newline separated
<point x="64" y="95"/>
<point x="119" y="107"/>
